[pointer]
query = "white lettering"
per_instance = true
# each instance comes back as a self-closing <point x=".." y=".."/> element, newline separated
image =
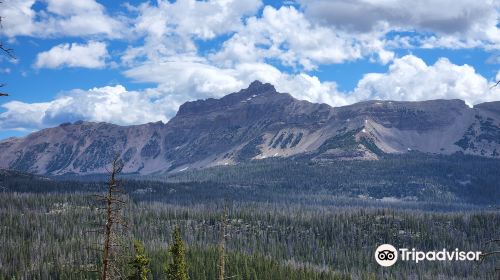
<point x="406" y="254"/>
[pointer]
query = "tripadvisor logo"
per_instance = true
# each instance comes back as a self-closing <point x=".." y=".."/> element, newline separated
<point x="388" y="255"/>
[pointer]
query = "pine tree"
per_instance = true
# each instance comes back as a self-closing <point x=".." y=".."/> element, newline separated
<point x="177" y="269"/>
<point x="140" y="263"/>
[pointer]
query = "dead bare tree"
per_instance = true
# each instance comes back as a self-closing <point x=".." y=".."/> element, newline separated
<point x="113" y="229"/>
<point x="491" y="253"/>
<point x="7" y="51"/>
<point x="1" y="93"/>
<point x="496" y="247"/>
<point x="222" y="245"/>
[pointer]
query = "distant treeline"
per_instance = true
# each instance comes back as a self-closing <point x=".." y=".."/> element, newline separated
<point x="410" y="177"/>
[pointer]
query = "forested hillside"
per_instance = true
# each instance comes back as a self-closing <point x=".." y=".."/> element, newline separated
<point x="409" y="177"/>
<point x="273" y="232"/>
<point x="47" y="237"/>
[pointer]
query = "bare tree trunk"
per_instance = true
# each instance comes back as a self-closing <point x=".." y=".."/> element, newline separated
<point x="496" y="244"/>
<point x="109" y="224"/>
<point x="222" y="246"/>
<point x="112" y="208"/>
<point x="1" y="93"/>
<point x="7" y="51"/>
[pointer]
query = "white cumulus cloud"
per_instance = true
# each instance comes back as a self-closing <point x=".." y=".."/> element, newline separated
<point x="451" y="23"/>
<point x="189" y="78"/>
<point x="170" y="28"/>
<point x="199" y="49"/>
<point x="112" y="104"/>
<point x="287" y="35"/>
<point x="59" y="18"/>
<point x="409" y="78"/>
<point x="90" y="55"/>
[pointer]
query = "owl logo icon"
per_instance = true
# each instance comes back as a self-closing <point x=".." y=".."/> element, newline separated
<point x="386" y="255"/>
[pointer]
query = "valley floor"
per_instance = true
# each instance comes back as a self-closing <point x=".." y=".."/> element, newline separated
<point x="47" y="236"/>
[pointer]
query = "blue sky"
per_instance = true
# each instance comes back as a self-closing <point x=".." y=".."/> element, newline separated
<point x="136" y="62"/>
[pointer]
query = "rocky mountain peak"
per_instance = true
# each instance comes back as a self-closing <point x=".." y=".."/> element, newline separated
<point x="259" y="88"/>
<point x="255" y="89"/>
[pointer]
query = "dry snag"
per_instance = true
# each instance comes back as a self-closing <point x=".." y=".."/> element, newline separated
<point x="222" y="246"/>
<point x="492" y="253"/>
<point x="495" y="251"/>
<point x="114" y="200"/>
<point x="7" y="51"/>
<point x="1" y="93"/>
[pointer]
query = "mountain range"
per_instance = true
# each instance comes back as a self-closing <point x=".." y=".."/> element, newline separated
<point x="257" y="123"/>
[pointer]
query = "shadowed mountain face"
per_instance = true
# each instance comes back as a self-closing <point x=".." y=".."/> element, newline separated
<point x="257" y="123"/>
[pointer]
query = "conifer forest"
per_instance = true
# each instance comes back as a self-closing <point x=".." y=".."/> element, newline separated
<point x="184" y="226"/>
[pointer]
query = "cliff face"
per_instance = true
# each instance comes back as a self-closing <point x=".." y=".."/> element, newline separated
<point x="257" y="123"/>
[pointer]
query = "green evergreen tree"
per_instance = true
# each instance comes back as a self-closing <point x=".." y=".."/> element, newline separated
<point x="177" y="269"/>
<point x="140" y="263"/>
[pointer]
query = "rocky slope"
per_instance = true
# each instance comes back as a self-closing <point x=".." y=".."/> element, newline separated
<point x="257" y="123"/>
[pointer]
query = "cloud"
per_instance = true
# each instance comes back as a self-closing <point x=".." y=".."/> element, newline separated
<point x="22" y="116"/>
<point x="247" y="42"/>
<point x="451" y="23"/>
<point x="59" y="18"/>
<point x="112" y="104"/>
<point x="287" y="35"/>
<point x="117" y="105"/>
<point x="410" y="79"/>
<point x="317" y="33"/>
<point x="70" y="7"/>
<point x="90" y="55"/>
<point x="189" y="78"/>
<point x="207" y="19"/>
<point x="192" y="77"/>
<point x="18" y="18"/>
<point x="170" y="28"/>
